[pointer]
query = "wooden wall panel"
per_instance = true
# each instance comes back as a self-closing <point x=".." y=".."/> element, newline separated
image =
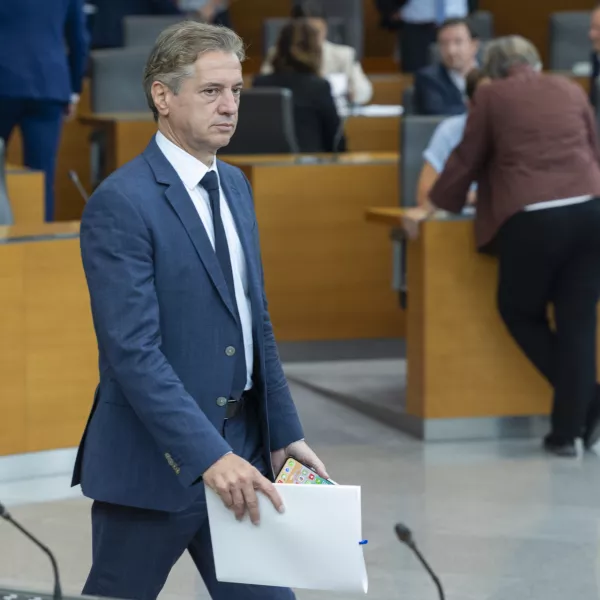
<point x="48" y="355"/>
<point x="12" y="351"/>
<point x="26" y="193"/>
<point x="327" y="272"/>
<point x="61" y="361"/>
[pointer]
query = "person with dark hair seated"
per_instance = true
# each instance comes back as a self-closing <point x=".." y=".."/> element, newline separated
<point x="337" y="59"/>
<point x="296" y="65"/>
<point x="440" y="89"/>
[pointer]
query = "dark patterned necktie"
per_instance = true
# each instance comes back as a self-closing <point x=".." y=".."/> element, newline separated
<point x="210" y="182"/>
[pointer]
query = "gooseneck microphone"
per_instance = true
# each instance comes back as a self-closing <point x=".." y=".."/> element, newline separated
<point x="4" y="514"/>
<point x="77" y="183"/>
<point x="340" y="131"/>
<point x="405" y="536"/>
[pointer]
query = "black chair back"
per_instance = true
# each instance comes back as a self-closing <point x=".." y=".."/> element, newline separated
<point x="266" y="123"/>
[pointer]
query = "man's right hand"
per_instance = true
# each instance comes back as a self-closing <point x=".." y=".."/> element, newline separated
<point x="236" y="481"/>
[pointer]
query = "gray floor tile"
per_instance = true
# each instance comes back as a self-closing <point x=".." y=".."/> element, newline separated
<point x="497" y="520"/>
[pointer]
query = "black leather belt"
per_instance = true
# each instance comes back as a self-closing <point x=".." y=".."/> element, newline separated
<point x="236" y="407"/>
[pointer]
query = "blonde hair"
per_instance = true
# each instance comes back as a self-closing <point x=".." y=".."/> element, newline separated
<point x="506" y="52"/>
<point x="178" y="47"/>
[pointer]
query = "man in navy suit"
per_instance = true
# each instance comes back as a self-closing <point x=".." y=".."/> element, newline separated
<point x="440" y="89"/>
<point x="41" y="79"/>
<point x="191" y="390"/>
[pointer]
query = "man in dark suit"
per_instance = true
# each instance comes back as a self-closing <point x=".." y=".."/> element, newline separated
<point x="192" y="391"/>
<point x="440" y="89"/>
<point x="41" y="79"/>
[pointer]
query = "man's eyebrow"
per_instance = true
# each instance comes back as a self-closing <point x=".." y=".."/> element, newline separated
<point x="221" y="85"/>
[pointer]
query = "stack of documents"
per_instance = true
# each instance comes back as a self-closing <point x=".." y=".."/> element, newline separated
<point x="315" y="544"/>
<point x="374" y="110"/>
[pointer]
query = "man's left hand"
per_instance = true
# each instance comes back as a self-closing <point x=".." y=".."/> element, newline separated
<point x="302" y="452"/>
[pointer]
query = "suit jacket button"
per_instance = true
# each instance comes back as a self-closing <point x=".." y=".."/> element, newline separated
<point x="230" y="350"/>
<point x="221" y="401"/>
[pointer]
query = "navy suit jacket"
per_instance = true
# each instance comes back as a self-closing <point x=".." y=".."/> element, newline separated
<point x="436" y="93"/>
<point x="107" y="23"/>
<point x="164" y="318"/>
<point x="34" y="62"/>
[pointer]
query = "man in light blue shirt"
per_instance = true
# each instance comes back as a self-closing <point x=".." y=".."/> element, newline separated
<point x="420" y="20"/>
<point x="444" y="140"/>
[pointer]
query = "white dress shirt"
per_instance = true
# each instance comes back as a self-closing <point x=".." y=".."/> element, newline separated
<point x="424" y="11"/>
<point x="191" y="171"/>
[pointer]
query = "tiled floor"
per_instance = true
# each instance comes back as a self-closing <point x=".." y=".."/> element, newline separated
<point x="498" y="520"/>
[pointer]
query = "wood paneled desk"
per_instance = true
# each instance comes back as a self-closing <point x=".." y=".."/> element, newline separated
<point x="127" y="134"/>
<point x="327" y="271"/>
<point x="48" y="356"/>
<point x="25" y="189"/>
<point x="466" y="376"/>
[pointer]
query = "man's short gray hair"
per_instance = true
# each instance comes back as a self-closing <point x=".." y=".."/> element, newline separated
<point x="178" y="47"/>
<point x="506" y="52"/>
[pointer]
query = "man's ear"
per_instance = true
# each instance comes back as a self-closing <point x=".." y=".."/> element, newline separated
<point x="161" y="96"/>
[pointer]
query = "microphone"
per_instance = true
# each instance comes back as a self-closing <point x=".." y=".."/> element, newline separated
<point x="405" y="536"/>
<point x="339" y="134"/>
<point x="4" y="514"/>
<point x="77" y="183"/>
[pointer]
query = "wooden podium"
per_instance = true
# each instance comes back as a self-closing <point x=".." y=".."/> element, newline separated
<point x="466" y="376"/>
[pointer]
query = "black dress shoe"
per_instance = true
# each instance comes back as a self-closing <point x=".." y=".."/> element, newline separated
<point x="560" y="447"/>
<point x="591" y="435"/>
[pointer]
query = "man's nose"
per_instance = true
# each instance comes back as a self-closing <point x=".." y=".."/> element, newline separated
<point x="229" y="103"/>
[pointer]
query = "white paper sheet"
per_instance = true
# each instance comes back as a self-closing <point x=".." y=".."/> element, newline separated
<point x="375" y="110"/>
<point x="338" y="83"/>
<point x="313" y="545"/>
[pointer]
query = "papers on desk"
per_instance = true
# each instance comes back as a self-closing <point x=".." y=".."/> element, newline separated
<point x="339" y="84"/>
<point x="315" y="544"/>
<point x="374" y="110"/>
<point x="339" y="90"/>
<point x="582" y="69"/>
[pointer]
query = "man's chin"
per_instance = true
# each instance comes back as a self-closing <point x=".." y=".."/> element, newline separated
<point x="221" y="140"/>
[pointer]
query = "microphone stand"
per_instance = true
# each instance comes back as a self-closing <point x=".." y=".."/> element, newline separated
<point x="4" y="514"/>
<point x="404" y="534"/>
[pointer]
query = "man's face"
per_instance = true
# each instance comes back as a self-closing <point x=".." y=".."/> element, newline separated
<point x="595" y="30"/>
<point x="457" y="47"/>
<point x="320" y="25"/>
<point x="203" y="115"/>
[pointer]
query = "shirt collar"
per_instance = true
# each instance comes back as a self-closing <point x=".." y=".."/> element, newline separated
<point x="190" y="169"/>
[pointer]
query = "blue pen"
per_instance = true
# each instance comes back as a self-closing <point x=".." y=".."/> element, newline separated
<point x="363" y="542"/>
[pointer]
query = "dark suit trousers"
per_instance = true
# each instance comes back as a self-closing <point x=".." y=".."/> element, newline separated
<point x="548" y="257"/>
<point x="40" y="122"/>
<point x="415" y="43"/>
<point x="135" y="549"/>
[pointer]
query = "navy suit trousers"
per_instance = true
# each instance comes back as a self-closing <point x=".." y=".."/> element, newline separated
<point x="40" y="122"/>
<point x="134" y="549"/>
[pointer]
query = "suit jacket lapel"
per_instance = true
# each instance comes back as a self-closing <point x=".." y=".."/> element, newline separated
<point x="182" y="204"/>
